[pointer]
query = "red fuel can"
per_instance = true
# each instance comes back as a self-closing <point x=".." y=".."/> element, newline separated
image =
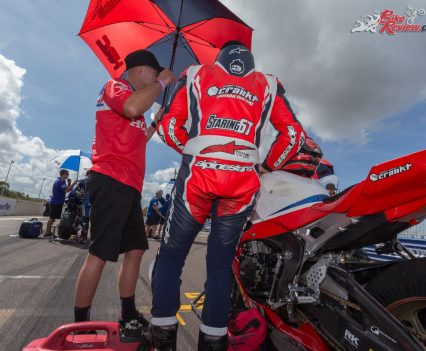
<point x="107" y="339"/>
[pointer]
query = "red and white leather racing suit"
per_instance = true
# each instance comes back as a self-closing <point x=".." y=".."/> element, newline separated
<point x="217" y="121"/>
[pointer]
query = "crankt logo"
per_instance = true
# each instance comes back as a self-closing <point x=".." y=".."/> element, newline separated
<point x="390" y="172"/>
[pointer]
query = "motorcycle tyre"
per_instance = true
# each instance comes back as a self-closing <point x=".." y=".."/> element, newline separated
<point x="399" y="284"/>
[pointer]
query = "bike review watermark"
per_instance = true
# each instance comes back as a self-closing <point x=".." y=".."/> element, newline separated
<point x="390" y="22"/>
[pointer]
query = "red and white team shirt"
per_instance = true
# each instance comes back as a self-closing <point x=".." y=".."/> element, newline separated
<point x="118" y="149"/>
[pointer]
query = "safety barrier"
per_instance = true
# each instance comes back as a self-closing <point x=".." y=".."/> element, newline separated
<point x="15" y="207"/>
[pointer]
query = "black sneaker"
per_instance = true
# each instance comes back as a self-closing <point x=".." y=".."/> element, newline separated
<point x="135" y="328"/>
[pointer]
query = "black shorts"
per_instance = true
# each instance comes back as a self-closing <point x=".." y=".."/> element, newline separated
<point x="153" y="220"/>
<point x="116" y="218"/>
<point x="162" y="220"/>
<point x="55" y="211"/>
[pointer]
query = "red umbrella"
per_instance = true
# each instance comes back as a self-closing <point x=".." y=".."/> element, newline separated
<point x="179" y="32"/>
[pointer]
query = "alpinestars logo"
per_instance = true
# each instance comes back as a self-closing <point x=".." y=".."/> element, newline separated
<point x="237" y="50"/>
<point x="230" y="148"/>
<point x="292" y="134"/>
<point x="242" y="126"/>
<point x="390" y="173"/>
<point x="233" y="92"/>
<point x="237" y="67"/>
<point x="171" y="132"/>
<point x="353" y="340"/>
<point x="204" y="164"/>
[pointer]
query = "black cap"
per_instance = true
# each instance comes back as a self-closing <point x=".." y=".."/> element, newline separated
<point x="142" y="58"/>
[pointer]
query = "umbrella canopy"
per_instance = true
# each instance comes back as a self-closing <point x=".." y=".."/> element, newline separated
<point x="178" y="32"/>
<point x="74" y="160"/>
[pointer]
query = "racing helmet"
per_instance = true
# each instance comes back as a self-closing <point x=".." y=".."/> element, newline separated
<point x="236" y="59"/>
<point x="306" y="161"/>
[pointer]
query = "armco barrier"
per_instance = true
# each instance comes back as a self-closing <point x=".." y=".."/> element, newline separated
<point x="14" y="207"/>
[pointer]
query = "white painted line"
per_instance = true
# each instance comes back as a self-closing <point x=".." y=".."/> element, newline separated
<point x="20" y="219"/>
<point x="6" y="277"/>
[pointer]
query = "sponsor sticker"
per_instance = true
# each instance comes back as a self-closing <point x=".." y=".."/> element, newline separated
<point x="241" y="126"/>
<point x="237" y="50"/>
<point x="237" y="67"/>
<point x="171" y="133"/>
<point x="292" y="134"/>
<point x="204" y="164"/>
<point x="378" y="332"/>
<point x="233" y="92"/>
<point x="390" y="172"/>
<point x="351" y="338"/>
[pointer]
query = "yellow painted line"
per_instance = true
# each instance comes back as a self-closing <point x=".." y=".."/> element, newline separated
<point x="185" y="308"/>
<point x="180" y="319"/>
<point x="191" y="295"/>
<point x="5" y="315"/>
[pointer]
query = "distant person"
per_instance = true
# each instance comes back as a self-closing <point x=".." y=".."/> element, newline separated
<point x="115" y="184"/>
<point x="154" y="214"/>
<point x="331" y="189"/>
<point x="163" y="211"/>
<point x="61" y="186"/>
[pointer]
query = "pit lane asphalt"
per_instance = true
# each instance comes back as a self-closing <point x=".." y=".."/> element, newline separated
<point x="37" y="281"/>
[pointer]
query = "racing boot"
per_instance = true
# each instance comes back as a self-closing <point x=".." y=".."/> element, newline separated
<point x="163" y="338"/>
<point x="208" y="342"/>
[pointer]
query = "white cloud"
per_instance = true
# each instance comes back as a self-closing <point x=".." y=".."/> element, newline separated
<point x="32" y="159"/>
<point x="341" y="84"/>
<point x="30" y="155"/>
<point x="164" y="175"/>
<point x="158" y="180"/>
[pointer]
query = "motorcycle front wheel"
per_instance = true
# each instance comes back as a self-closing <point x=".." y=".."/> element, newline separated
<point x="401" y="288"/>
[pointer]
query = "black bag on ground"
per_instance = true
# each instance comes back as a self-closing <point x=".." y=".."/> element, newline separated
<point x="66" y="224"/>
<point x="31" y="228"/>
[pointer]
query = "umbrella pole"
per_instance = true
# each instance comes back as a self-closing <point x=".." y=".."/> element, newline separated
<point x="172" y="60"/>
<point x="78" y="169"/>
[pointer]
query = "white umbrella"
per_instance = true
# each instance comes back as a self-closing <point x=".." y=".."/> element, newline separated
<point x="74" y="160"/>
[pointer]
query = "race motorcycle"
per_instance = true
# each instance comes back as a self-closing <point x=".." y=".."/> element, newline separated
<point x="297" y="261"/>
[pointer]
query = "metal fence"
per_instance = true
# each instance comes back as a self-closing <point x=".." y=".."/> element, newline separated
<point x="415" y="232"/>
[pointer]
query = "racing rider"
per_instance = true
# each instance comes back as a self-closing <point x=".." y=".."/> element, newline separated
<point x="216" y="118"/>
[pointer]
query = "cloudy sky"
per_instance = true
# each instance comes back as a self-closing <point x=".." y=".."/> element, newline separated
<point x="361" y="95"/>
